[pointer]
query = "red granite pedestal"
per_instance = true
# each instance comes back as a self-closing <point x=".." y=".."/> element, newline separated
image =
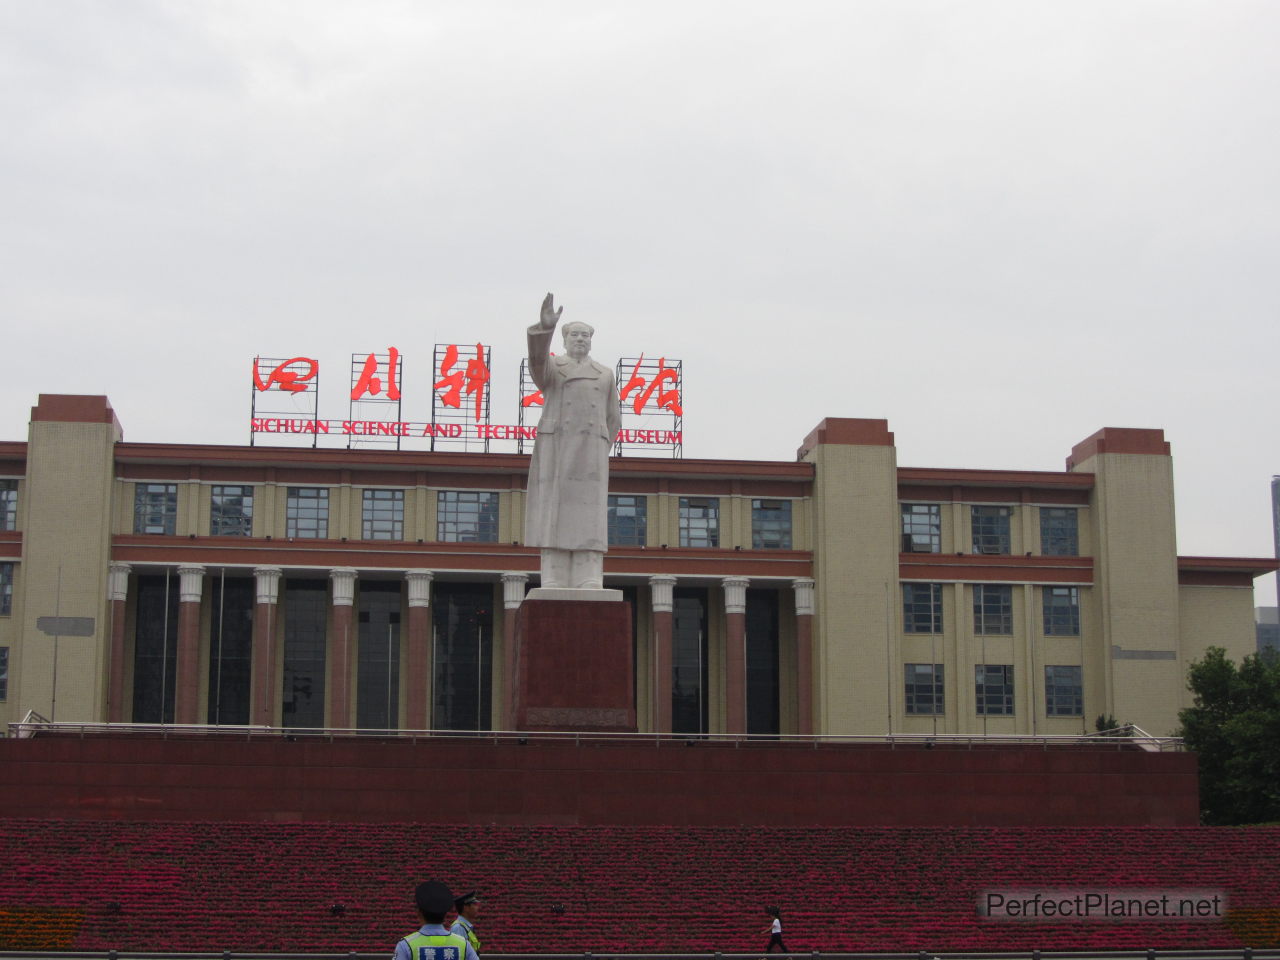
<point x="574" y="667"/>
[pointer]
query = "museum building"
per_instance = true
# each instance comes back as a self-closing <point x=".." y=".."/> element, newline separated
<point x="836" y="595"/>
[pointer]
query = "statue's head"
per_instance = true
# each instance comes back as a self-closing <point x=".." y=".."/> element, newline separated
<point x="577" y="338"/>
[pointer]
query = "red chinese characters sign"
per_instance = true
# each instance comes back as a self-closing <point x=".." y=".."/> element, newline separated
<point x="643" y="388"/>
<point x="471" y="379"/>
<point x="291" y="376"/>
<point x="285" y="400"/>
<point x="371" y="382"/>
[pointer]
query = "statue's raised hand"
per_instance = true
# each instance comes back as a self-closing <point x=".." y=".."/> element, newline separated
<point x="550" y="315"/>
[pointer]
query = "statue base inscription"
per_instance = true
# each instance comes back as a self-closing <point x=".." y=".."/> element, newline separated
<point x="573" y="593"/>
<point x="573" y="666"/>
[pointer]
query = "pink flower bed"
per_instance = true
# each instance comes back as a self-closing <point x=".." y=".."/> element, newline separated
<point x="158" y="886"/>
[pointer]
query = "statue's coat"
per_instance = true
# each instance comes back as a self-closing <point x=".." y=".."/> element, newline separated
<point x="567" y="503"/>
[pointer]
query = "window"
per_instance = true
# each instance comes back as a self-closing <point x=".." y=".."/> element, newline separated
<point x="628" y="520"/>
<point x="991" y="529"/>
<point x="763" y="674"/>
<point x="1063" y="692"/>
<point x="306" y="513"/>
<point x="8" y="504"/>
<point x="462" y="662"/>
<point x="699" y="521"/>
<point x="4" y="673"/>
<point x="306" y="609"/>
<point x="1059" y="531"/>
<point x="993" y="609"/>
<point x="771" y="524"/>
<point x="378" y="656"/>
<point x="690" y="661"/>
<point x="924" y="688"/>
<point x="6" y="589"/>
<point x="994" y="689"/>
<point x="383" y="515"/>
<point x="1062" y="611"/>
<point x="922" y="607"/>
<point x="155" y="508"/>
<point x="921" y="528"/>
<point x="155" y="648"/>
<point x="230" y="648"/>
<point x="231" y="512"/>
<point x="466" y="516"/>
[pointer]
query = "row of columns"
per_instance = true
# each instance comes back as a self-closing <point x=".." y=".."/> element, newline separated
<point x="416" y="639"/>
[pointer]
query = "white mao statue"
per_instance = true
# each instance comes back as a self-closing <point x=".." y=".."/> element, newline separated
<point x="566" y="511"/>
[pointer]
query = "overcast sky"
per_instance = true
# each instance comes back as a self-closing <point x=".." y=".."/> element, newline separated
<point x="999" y="225"/>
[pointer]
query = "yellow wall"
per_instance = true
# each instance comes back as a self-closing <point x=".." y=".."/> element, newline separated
<point x="856" y="535"/>
<point x="66" y="548"/>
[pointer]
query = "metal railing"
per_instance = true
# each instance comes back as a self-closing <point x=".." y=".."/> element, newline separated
<point x="1237" y="953"/>
<point x="1122" y="738"/>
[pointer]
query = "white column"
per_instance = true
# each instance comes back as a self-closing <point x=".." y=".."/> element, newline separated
<point x="661" y="589"/>
<point x="513" y="585"/>
<point x="803" y="587"/>
<point x="190" y="581"/>
<point x="735" y="594"/>
<point x="267" y="581"/>
<point x="118" y="581"/>
<point x="344" y="586"/>
<point x="419" y="587"/>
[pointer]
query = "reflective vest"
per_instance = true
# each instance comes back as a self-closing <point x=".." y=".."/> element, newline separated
<point x="462" y="926"/>
<point x="449" y="946"/>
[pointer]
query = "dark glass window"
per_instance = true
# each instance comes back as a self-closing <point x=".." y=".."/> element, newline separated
<point x="462" y="616"/>
<point x="993" y="609"/>
<point x="231" y="511"/>
<point x="6" y="589"/>
<point x="689" y="661"/>
<point x="306" y="611"/>
<point x="155" y="649"/>
<point x="383" y="515"/>
<point x="1063" y="692"/>
<point x="922" y="607"/>
<point x="628" y="520"/>
<point x="924" y="688"/>
<point x="762" y="662"/>
<point x="699" y="521"/>
<point x="306" y="513"/>
<point x="631" y="595"/>
<point x="8" y="504"/>
<point x="1059" y="531"/>
<point x="4" y="673"/>
<point x="771" y="524"/>
<point x="991" y="529"/>
<point x="378" y="657"/>
<point x="155" y="508"/>
<point x="230" y="648"/>
<point x="921" y="528"/>
<point x="1062" y="611"/>
<point x="994" y="689"/>
<point x="466" y="516"/>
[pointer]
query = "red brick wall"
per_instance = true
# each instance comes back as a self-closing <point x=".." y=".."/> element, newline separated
<point x="367" y="779"/>
<point x="170" y="887"/>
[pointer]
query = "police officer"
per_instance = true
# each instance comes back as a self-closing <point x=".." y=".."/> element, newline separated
<point x="432" y="941"/>
<point x="468" y="907"/>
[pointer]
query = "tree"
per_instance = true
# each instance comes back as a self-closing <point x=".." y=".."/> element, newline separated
<point x="1108" y="726"/>
<point x="1235" y="728"/>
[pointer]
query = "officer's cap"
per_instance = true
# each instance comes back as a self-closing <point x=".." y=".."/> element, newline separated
<point x="433" y="897"/>
<point x="466" y="898"/>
